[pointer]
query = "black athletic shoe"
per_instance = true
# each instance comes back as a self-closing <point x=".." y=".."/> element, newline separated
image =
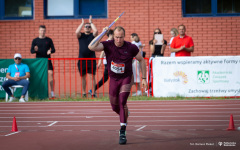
<point x="84" y="95"/>
<point x="94" y="96"/>
<point x="122" y="135"/>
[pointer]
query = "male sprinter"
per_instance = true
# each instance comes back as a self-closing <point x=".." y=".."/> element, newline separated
<point x="119" y="55"/>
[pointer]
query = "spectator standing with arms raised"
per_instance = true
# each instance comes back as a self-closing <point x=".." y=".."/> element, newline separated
<point x="84" y="52"/>
<point x="182" y="44"/>
<point x="43" y="47"/>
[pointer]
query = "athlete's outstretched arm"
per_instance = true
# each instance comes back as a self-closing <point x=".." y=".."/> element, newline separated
<point x="97" y="46"/>
<point x="143" y="68"/>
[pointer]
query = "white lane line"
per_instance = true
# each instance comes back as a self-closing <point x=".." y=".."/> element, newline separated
<point x="53" y="123"/>
<point x="208" y="129"/>
<point x="13" y="133"/>
<point x="141" y="128"/>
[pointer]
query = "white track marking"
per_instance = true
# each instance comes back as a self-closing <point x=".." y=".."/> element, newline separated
<point x="141" y="128"/>
<point x="85" y="130"/>
<point x="53" y="123"/>
<point x="13" y="133"/>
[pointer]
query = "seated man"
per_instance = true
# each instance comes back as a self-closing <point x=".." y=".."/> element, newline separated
<point x="17" y="74"/>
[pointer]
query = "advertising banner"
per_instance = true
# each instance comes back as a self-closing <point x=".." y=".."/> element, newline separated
<point x="209" y="76"/>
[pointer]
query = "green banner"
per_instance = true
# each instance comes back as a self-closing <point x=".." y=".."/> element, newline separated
<point x="38" y="87"/>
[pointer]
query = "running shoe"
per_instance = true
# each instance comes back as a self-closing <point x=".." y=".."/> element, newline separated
<point x="22" y="100"/>
<point x="122" y="135"/>
<point x="11" y="99"/>
<point x="84" y="95"/>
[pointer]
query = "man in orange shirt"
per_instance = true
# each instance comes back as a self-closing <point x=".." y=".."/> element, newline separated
<point x="182" y="44"/>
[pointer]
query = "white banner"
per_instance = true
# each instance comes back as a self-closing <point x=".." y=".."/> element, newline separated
<point x="210" y="76"/>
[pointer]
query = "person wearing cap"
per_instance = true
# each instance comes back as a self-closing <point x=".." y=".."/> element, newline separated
<point x="17" y="74"/>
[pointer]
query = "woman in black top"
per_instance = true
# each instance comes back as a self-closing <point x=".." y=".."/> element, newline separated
<point x="157" y="50"/>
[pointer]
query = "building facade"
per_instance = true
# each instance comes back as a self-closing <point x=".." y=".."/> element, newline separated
<point x="214" y="31"/>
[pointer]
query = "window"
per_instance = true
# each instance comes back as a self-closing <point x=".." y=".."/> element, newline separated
<point x="75" y="9"/>
<point x="201" y="8"/>
<point x="16" y="9"/>
<point x="228" y="6"/>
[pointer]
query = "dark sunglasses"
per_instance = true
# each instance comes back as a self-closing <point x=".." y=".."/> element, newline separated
<point x="18" y="58"/>
<point x="87" y="26"/>
<point x="157" y="32"/>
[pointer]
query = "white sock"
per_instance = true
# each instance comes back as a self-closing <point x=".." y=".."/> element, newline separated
<point x="123" y="124"/>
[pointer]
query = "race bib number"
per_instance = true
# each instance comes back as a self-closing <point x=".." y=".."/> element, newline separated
<point x="117" y="68"/>
<point x="17" y="74"/>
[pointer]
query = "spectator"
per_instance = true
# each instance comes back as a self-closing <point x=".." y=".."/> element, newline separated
<point x="157" y="51"/>
<point x="135" y="65"/>
<point x="174" y="33"/>
<point x="17" y="74"/>
<point x="102" y="55"/>
<point x="43" y="47"/>
<point x="84" y="39"/>
<point x="182" y="44"/>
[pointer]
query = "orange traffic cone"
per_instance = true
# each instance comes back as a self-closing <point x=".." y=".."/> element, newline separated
<point x="231" y="124"/>
<point x="14" y="125"/>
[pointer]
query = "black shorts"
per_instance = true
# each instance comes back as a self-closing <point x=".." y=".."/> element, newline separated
<point x="90" y="67"/>
<point x="50" y="66"/>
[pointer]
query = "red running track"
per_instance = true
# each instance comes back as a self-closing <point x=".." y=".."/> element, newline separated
<point x="165" y="125"/>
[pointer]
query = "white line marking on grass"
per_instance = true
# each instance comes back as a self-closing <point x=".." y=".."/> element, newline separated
<point x="13" y="133"/>
<point x="53" y="123"/>
<point x="141" y="128"/>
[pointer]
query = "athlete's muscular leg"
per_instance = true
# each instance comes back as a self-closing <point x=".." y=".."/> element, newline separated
<point x="123" y="96"/>
<point x="113" y="95"/>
